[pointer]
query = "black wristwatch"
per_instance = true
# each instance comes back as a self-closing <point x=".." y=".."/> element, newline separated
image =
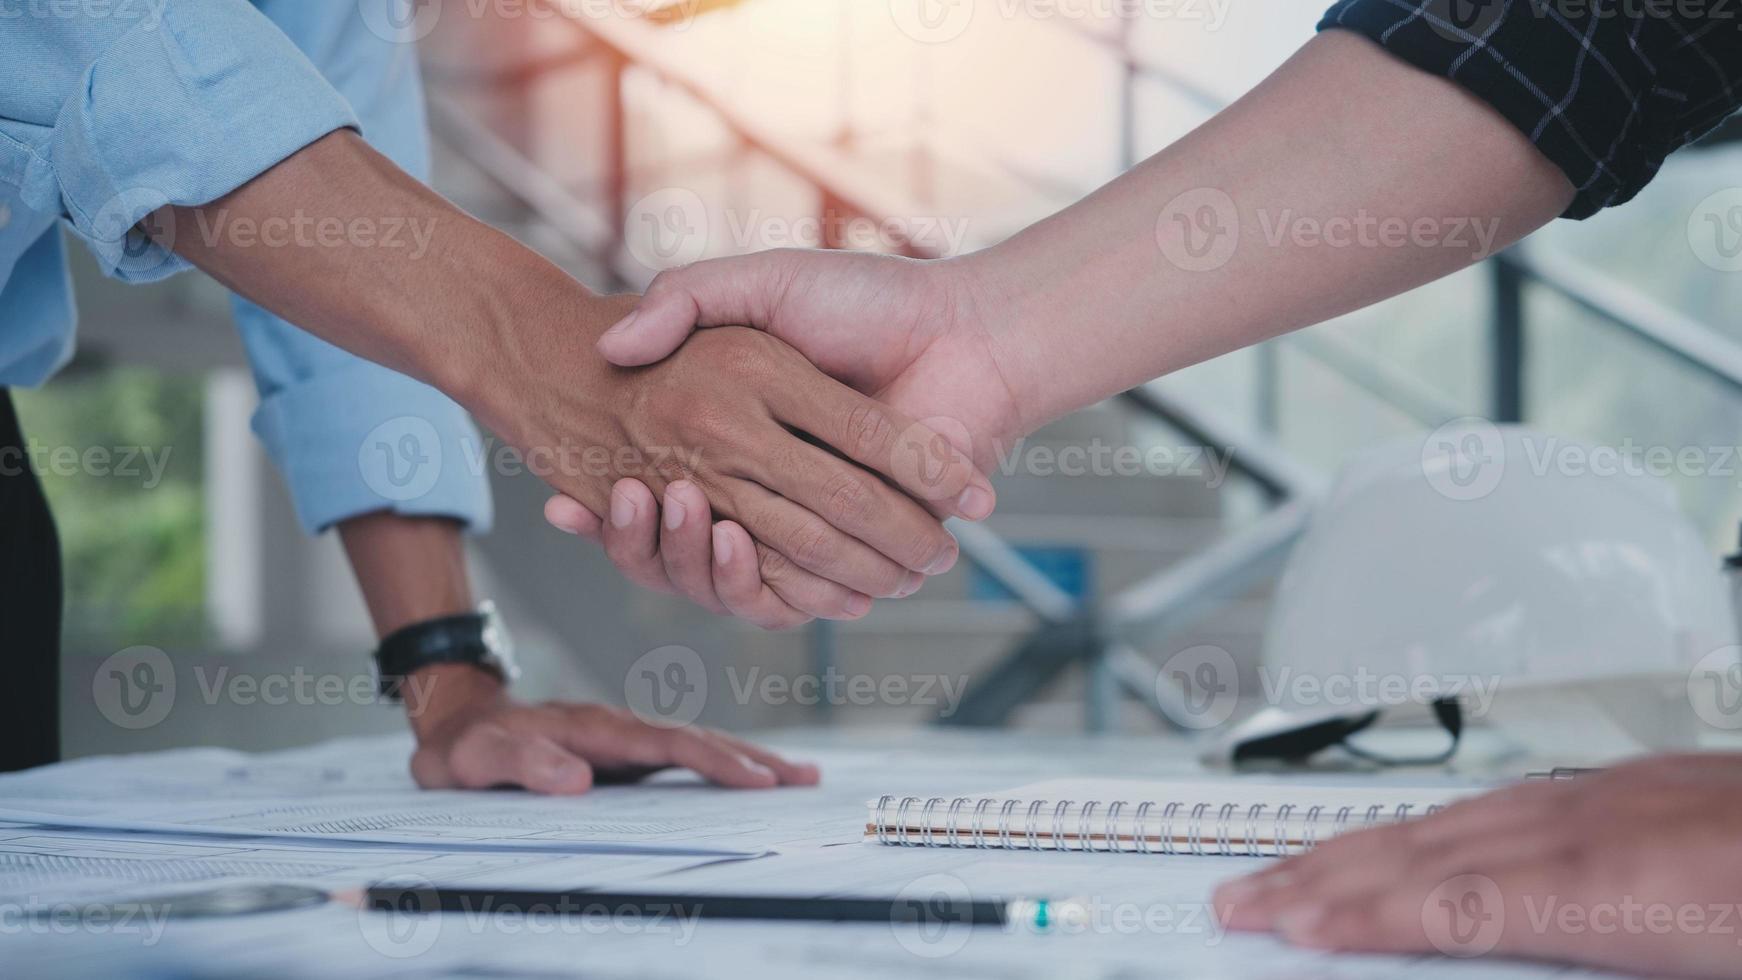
<point x="479" y="639"/>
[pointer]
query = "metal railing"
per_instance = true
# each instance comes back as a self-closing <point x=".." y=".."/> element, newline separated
<point x="1092" y="632"/>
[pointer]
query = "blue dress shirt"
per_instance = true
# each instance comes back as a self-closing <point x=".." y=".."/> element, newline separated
<point x="110" y="111"/>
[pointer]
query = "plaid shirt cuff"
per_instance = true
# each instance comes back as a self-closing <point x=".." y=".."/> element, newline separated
<point x="1606" y="89"/>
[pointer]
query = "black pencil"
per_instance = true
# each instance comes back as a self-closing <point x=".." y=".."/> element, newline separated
<point x="1040" y="914"/>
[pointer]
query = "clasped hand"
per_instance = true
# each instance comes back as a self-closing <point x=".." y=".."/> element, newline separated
<point x="822" y="505"/>
<point x="922" y="396"/>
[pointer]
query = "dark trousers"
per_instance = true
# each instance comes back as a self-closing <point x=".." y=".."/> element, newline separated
<point x="30" y="608"/>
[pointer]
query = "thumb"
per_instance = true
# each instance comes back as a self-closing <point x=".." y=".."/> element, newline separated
<point x="735" y="291"/>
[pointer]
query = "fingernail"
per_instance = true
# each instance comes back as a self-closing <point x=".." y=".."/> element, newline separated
<point x="975" y="503"/>
<point x="858" y="605"/>
<point x="565" y="527"/>
<point x="722" y="546"/>
<point x="674" y="513"/>
<point x="944" y="564"/>
<point x="910" y="585"/>
<point x="622" y="511"/>
<point x="622" y="326"/>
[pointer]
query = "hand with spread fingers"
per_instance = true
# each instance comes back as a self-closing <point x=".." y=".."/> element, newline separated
<point x="1634" y="869"/>
<point x="472" y="735"/>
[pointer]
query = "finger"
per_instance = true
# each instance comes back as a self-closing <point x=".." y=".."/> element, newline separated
<point x="863" y="506"/>
<point x="1376" y="862"/>
<point x="809" y="593"/>
<point x="623" y="737"/>
<point x="489" y="756"/>
<point x="814" y="544"/>
<point x="686" y="545"/>
<point x="1487" y="828"/>
<point x="1471" y="914"/>
<point x="738" y="582"/>
<point x="789" y="773"/>
<point x="919" y="457"/>
<point x="570" y="516"/>
<point x="631" y="536"/>
<point x="1478" y="816"/>
<point x="737" y="291"/>
<point x="701" y="752"/>
<point x="1389" y="922"/>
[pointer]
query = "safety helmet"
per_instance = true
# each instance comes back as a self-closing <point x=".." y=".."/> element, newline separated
<point x="1540" y="585"/>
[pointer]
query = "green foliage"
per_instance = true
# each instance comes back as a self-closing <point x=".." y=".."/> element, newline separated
<point x="132" y="537"/>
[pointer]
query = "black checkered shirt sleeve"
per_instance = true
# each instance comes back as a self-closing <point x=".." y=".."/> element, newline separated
<point x="1605" y="88"/>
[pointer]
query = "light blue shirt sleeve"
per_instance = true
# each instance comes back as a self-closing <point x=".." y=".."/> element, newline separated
<point x="351" y="436"/>
<point x="109" y="118"/>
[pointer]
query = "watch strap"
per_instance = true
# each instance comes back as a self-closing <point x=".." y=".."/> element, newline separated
<point x="447" y="640"/>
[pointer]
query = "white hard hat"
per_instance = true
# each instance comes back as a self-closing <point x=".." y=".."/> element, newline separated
<point x="1552" y="588"/>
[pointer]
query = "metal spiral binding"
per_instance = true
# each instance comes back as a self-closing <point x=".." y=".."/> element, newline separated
<point x="1204" y="834"/>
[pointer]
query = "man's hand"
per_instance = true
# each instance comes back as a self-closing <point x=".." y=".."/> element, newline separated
<point x="907" y="333"/>
<point x="1635" y="869"/>
<point x="471" y="735"/>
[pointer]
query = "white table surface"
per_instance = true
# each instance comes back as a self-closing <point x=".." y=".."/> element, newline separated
<point x="1152" y="918"/>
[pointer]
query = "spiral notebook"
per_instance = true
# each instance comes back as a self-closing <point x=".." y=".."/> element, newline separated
<point x="1232" y="817"/>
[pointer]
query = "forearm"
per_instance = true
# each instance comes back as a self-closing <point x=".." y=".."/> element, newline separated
<point x="413" y="569"/>
<point x="371" y="260"/>
<point x="410" y="569"/>
<point x="1413" y="176"/>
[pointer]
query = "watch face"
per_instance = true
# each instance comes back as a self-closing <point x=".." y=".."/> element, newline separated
<point x="498" y="641"/>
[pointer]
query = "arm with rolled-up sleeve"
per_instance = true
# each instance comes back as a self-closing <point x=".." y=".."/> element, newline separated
<point x="1605" y="92"/>
<point x="352" y="437"/>
<point x="115" y="115"/>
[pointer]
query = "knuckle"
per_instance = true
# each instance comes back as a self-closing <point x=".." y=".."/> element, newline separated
<point x="849" y="500"/>
<point x="667" y="281"/>
<point x="869" y="431"/>
<point x="681" y="741"/>
<point x="774" y="566"/>
<point x="812" y="544"/>
<point x="711" y="425"/>
<point x="672" y="467"/>
<point x="742" y="352"/>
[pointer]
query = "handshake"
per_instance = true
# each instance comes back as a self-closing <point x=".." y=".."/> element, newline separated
<point x="797" y="470"/>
